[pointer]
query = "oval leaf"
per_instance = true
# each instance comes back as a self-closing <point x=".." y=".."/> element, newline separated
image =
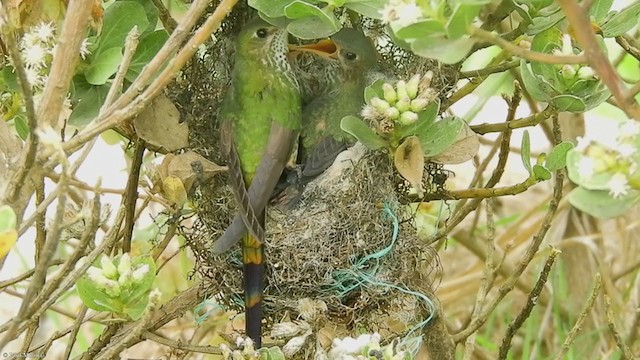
<point x="463" y="149"/>
<point x="409" y="160"/>
<point x="103" y="66"/>
<point x="440" y="135"/>
<point x="525" y="152"/>
<point x="361" y="131"/>
<point x="622" y="22"/>
<point x="557" y="158"/>
<point x="600" y="204"/>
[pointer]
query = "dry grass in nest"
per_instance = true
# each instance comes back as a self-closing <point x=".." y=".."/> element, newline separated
<point x="318" y="250"/>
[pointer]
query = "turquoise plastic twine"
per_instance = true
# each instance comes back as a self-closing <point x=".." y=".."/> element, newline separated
<point x="363" y="273"/>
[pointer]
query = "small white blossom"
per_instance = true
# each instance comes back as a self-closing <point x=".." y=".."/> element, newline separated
<point x="628" y="129"/>
<point x="583" y="143"/>
<point x="140" y="272"/>
<point x="35" y="56"/>
<point x="108" y="269"/>
<point x="124" y="266"/>
<point x="586" y="167"/>
<point x="84" y="49"/>
<point x="28" y="40"/>
<point x="34" y="78"/>
<point x="618" y="185"/>
<point x="626" y="150"/>
<point x="408" y="14"/>
<point x="45" y="32"/>
<point x="586" y="73"/>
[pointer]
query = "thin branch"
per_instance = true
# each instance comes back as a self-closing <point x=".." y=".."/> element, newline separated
<point x="613" y="329"/>
<point x="579" y="19"/>
<point x="629" y="45"/>
<point x="28" y="274"/>
<point x="527" y="54"/>
<point x="532" y="300"/>
<point x="131" y="194"/>
<point x="74" y="331"/>
<point x="179" y="345"/>
<point x="532" y="120"/>
<point x="490" y="70"/>
<point x="168" y="22"/>
<point x="571" y="337"/>
<point x="129" y="104"/>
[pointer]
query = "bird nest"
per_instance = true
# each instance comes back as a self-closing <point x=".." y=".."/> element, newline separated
<point x="349" y="246"/>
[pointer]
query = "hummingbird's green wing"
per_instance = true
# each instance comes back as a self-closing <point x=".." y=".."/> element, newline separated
<point x="262" y="185"/>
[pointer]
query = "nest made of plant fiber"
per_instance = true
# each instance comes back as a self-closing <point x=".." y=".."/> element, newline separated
<point x="348" y="243"/>
<point x="324" y="249"/>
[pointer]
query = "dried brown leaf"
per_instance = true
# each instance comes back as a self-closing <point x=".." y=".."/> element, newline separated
<point x="409" y="160"/>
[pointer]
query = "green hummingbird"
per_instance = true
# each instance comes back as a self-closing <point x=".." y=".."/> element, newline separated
<point x="261" y="119"/>
<point x="349" y="57"/>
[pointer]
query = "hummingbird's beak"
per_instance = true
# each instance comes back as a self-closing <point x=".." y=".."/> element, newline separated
<point x="326" y="48"/>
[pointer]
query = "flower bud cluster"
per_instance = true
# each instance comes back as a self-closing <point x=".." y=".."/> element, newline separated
<point x="366" y="346"/>
<point x="114" y="279"/>
<point x="400" y="103"/>
<point x="613" y="153"/>
<point x="570" y="71"/>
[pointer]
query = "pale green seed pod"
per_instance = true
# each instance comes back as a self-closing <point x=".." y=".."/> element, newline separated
<point x="389" y="93"/>
<point x="392" y="113"/>
<point x="408" y="118"/>
<point x="419" y="104"/>
<point x="379" y="104"/>
<point x="403" y="104"/>
<point x="412" y="86"/>
<point x="401" y="89"/>
<point x="108" y="269"/>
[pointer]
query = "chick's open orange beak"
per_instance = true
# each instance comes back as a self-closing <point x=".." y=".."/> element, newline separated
<point x="326" y="48"/>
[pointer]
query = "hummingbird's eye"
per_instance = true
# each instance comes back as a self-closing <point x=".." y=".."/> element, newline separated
<point x="262" y="33"/>
<point x="350" y="56"/>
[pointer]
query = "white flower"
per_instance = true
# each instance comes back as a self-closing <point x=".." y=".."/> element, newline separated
<point x="33" y="77"/>
<point x="45" y="32"/>
<point x="29" y="39"/>
<point x="124" y="266"/>
<point x="84" y="49"/>
<point x="626" y="150"/>
<point x="408" y="14"/>
<point x="35" y="56"/>
<point x="403" y="13"/>
<point x="586" y="73"/>
<point x="140" y="272"/>
<point x="618" y="185"/>
<point x="108" y="269"/>
<point x="369" y="112"/>
<point x="48" y="136"/>
<point x="583" y="143"/>
<point x="628" y="129"/>
<point x="586" y="167"/>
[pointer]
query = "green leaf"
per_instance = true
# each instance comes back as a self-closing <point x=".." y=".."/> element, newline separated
<point x="598" y="181"/>
<point x="136" y="310"/>
<point x="10" y="79"/>
<point x="426" y="119"/>
<point x="368" y="8"/>
<point x="463" y="15"/>
<point x="569" y="103"/>
<point x="152" y="13"/>
<point x="22" y="127"/>
<point x="540" y="173"/>
<point x="8" y="219"/>
<point x="440" y="135"/>
<point x="444" y="50"/>
<point x="103" y="66"/>
<point x="600" y="204"/>
<point x="271" y="8"/>
<point x="532" y="83"/>
<point x="92" y="297"/>
<point x="417" y="30"/>
<point x="87" y="99"/>
<point x="622" y="22"/>
<point x="310" y="21"/>
<point x="599" y="9"/>
<point x="299" y="9"/>
<point x="557" y="158"/>
<point x="373" y="90"/>
<point x="543" y="23"/>
<point x="142" y="287"/>
<point x="149" y="46"/>
<point x="525" y="152"/>
<point x="118" y="20"/>
<point x="361" y="131"/>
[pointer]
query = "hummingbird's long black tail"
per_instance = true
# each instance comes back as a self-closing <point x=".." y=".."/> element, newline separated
<point x="253" y="260"/>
